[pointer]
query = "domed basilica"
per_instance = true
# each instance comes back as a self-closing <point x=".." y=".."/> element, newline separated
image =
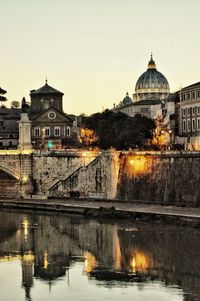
<point x="151" y="89"/>
<point x="152" y="84"/>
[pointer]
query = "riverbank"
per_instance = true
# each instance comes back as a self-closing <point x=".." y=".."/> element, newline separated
<point x="108" y="209"/>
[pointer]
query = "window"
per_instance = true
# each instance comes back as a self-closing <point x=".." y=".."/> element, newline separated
<point x="193" y="95"/>
<point x="144" y="110"/>
<point x="37" y="132"/>
<point x="188" y="96"/>
<point x="183" y="112"/>
<point x="188" y="125"/>
<point x="188" y="111"/>
<point x="198" y="94"/>
<point x="184" y="125"/>
<point x="198" y="124"/>
<point x="193" y="111"/>
<point x="47" y="131"/>
<point x="193" y="124"/>
<point x="57" y="131"/>
<point x="68" y="131"/>
<point x="198" y="110"/>
<point x="183" y="97"/>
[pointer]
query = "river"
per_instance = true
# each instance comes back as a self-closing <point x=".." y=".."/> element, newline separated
<point x="67" y="257"/>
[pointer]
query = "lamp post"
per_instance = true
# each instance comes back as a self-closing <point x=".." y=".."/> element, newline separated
<point x="170" y="138"/>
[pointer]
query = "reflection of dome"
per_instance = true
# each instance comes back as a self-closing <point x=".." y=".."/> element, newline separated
<point x="152" y="81"/>
<point x="127" y="100"/>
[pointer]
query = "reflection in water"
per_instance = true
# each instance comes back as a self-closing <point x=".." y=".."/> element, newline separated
<point x="139" y="262"/>
<point x="90" y="262"/>
<point x="25" y="224"/>
<point x="114" y="254"/>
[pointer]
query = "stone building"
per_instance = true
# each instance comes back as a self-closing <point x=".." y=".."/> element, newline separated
<point x="151" y="90"/>
<point x="189" y="115"/>
<point x="51" y="127"/>
<point x="9" y="132"/>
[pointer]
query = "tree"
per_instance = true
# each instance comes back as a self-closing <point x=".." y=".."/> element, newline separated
<point x="119" y="130"/>
<point x="15" y="104"/>
<point x="2" y="98"/>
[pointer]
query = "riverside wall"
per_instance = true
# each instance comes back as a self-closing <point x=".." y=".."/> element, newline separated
<point x="163" y="178"/>
<point x="168" y="178"/>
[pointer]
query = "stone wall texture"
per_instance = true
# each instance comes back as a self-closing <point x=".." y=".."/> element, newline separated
<point x="50" y="169"/>
<point x="168" y="179"/>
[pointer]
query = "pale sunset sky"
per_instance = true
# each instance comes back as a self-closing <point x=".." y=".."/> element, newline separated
<point x="95" y="50"/>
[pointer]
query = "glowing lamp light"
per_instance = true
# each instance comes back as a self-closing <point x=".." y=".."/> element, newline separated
<point x="24" y="179"/>
<point x="50" y="144"/>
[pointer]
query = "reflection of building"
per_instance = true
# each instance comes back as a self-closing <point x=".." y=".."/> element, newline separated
<point x="48" y="245"/>
<point x="151" y="90"/>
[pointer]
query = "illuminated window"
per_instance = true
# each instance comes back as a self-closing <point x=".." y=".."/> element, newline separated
<point x="57" y="131"/>
<point x="37" y="131"/>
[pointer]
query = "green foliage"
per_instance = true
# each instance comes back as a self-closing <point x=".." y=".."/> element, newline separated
<point x="15" y="104"/>
<point x="119" y="130"/>
<point x="2" y="98"/>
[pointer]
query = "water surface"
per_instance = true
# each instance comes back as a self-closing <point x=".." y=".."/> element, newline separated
<point x="62" y="257"/>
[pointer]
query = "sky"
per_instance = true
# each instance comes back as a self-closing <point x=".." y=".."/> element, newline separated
<point x="95" y="50"/>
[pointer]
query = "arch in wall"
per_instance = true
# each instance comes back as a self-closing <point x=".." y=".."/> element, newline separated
<point x="10" y="171"/>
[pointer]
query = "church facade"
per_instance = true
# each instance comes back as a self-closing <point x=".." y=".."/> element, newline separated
<point x="51" y="127"/>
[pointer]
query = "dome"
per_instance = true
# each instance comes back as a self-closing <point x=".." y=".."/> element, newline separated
<point x="127" y="100"/>
<point x="152" y="81"/>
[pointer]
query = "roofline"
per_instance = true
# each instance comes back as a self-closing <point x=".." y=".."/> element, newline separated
<point x="190" y="86"/>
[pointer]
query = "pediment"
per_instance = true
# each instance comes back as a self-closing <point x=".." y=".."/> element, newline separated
<point x="52" y="115"/>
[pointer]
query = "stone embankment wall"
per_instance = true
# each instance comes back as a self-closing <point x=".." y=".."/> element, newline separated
<point x="168" y="179"/>
<point x="97" y="179"/>
<point x="165" y="178"/>
<point x="50" y="169"/>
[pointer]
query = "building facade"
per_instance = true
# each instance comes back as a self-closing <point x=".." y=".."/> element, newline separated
<point x="9" y="127"/>
<point x="189" y="114"/>
<point x="51" y="127"/>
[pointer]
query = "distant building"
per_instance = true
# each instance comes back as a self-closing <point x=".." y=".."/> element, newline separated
<point x="9" y="127"/>
<point x="151" y="90"/>
<point x="189" y="114"/>
<point x="51" y="127"/>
